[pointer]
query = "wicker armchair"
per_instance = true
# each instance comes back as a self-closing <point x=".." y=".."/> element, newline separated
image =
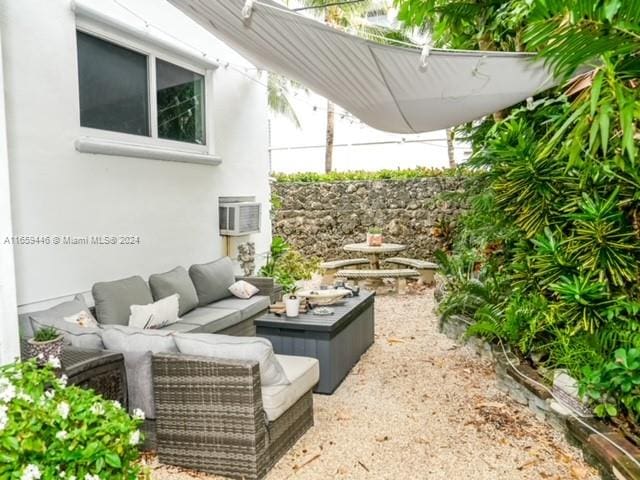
<point x="210" y="417"/>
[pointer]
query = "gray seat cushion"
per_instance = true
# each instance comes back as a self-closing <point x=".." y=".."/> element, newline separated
<point x="113" y="299"/>
<point x="210" y="320"/>
<point x="248" y="308"/>
<point x="303" y="374"/>
<point x="212" y="280"/>
<point x="175" y="281"/>
<point x="137" y="346"/>
<point x="83" y="337"/>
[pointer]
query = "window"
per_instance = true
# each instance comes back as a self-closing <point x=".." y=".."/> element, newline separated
<point x="114" y="93"/>
<point x="180" y="95"/>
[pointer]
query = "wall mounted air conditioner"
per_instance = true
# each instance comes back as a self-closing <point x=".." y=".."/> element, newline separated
<point x="239" y="218"/>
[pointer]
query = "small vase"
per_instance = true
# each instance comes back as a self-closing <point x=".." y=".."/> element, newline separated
<point x="292" y="305"/>
<point x="374" y="239"/>
<point x="43" y="350"/>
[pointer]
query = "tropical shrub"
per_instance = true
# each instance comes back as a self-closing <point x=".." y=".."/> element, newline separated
<point x="553" y="212"/>
<point x="288" y="266"/>
<point x="50" y="430"/>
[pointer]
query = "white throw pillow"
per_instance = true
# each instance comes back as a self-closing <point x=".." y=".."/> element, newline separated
<point x="82" y="319"/>
<point x="242" y="289"/>
<point x="226" y="347"/>
<point x="155" y="315"/>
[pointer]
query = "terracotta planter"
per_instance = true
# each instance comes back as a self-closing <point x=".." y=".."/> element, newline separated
<point x="374" y="239"/>
<point x="50" y="348"/>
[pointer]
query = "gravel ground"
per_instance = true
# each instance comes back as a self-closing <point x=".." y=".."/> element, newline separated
<point x="418" y="406"/>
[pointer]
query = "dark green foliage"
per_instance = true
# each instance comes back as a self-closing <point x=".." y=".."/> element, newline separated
<point x="547" y="257"/>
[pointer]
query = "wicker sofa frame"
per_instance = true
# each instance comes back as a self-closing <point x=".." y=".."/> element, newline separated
<point x="209" y="417"/>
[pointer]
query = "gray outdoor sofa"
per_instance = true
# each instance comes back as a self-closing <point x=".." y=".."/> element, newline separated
<point x="210" y="409"/>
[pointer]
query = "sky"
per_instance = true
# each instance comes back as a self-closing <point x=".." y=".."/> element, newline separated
<point x="357" y="146"/>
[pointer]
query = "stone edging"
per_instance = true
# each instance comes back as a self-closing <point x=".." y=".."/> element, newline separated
<point x="611" y="462"/>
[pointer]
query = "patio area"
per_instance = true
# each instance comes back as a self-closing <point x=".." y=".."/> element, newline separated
<point x="420" y="406"/>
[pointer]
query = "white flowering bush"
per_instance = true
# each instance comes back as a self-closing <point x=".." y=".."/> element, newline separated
<point x="50" y="430"/>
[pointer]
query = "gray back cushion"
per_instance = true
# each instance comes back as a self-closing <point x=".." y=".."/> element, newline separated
<point x="138" y="346"/>
<point x="212" y="280"/>
<point x="225" y="347"/>
<point x="113" y="299"/>
<point x="175" y="281"/>
<point x="83" y="337"/>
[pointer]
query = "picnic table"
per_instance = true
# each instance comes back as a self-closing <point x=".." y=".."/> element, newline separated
<point x="374" y="253"/>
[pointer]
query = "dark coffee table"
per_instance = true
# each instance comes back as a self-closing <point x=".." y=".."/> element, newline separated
<point x="337" y="341"/>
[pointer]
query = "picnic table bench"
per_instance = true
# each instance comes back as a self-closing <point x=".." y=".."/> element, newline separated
<point x="400" y="274"/>
<point x="331" y="267"/>
<point x="426" y="269"/>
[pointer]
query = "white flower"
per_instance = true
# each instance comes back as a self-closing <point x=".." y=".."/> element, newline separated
<point x="49" y="394"/>
<point x="61" y="435"/>
<point x="7" y="390"/>
<point x="63" y="410"/>
<point x="4" y="419"/>
<point x="117" y="404"/>
<point x="62" y="381"/>
<point x="138" y="414"/>
<point x="31" y="472"/>
<point x="97" y="409"/>
<point x="134" y="438"/>
<point x="23" y="396"/>
<point x="54" y="362"/>
<point x="88" y="476"/>
<point x="72" y="477"/>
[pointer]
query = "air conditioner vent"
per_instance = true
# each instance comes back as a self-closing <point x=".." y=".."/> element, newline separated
<point x="241" y="218"/>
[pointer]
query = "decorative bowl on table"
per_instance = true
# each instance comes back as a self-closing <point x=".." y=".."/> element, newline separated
<point x="324" y="297"/>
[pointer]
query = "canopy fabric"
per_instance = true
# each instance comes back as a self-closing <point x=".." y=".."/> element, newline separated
<point x="396" y="89"/>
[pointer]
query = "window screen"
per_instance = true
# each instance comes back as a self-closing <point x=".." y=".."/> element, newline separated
<point x="180" y="96"/>
<point x="114" y="92"/>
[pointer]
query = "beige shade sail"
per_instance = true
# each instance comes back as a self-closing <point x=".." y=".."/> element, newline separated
<point x="395" y="89"/>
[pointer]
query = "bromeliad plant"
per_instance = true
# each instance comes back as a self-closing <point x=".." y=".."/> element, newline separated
<point x="50" y="430"/>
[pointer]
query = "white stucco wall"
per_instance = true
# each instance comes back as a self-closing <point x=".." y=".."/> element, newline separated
<point x="9" y="345"/>
<point x="56" y="190"/>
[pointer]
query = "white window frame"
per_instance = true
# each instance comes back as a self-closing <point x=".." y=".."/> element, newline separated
<point x="93" y="140"/>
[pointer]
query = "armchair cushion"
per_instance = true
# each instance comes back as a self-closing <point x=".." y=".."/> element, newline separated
<point x="226" y="347"/>
<point x="175" y="281"/>
<point x="304" y="374"/>
<point x="212" y="280"/>
<point x="74" y="334"/>
<point x="114" y="299"/>
<point x="137" y="346"/>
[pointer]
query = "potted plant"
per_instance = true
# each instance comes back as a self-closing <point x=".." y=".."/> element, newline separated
<point x="47" y="342"/>
<point x="291" y="301"/>
<point x="374" y="237"/>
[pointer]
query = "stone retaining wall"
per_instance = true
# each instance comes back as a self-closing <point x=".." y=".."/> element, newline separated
<point x="319" y="218"/>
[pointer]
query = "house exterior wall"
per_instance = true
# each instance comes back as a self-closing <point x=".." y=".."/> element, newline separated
<point x="9" y="346"/>
<point x="57" y="191"/>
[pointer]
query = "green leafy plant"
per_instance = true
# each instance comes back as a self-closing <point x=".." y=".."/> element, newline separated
<point x="375" y="230"/>
<point x="400" y="174"/>
<point x="615" y="387"/>
<point x="46" y="334"/>
<point x="51" y="430"/>
<point x="288" y="266"/>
